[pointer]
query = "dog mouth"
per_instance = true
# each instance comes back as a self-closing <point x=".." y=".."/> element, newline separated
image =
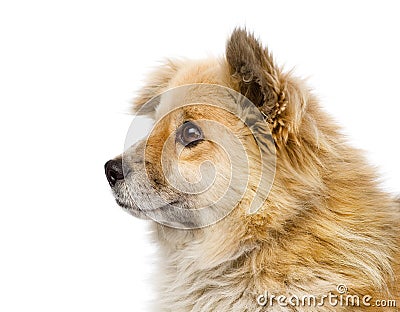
<point x="128" y="204"/>
<point x="135" y="207"/>
<point x="125" y="201"/>
<point x="132" y="209"/>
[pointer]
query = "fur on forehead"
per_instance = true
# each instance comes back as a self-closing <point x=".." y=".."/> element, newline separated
<point x="178" y="72"/>
<point x="196" y="98"/>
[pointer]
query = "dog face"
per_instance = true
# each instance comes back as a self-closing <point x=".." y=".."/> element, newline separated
<point x="212" y="147"/>
<point x="193" y="168"/>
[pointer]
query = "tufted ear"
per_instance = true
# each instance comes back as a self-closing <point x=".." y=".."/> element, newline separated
<point x="156" y="83"/>
<point x="255" y="75"/>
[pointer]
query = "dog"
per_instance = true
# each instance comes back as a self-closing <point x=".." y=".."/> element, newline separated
<point x="235" y="133"/>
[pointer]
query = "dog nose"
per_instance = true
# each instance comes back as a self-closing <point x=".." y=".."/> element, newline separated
<point x="114" y="172"/>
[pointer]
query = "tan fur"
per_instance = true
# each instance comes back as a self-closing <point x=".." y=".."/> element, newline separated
<point x="326" y="220"/>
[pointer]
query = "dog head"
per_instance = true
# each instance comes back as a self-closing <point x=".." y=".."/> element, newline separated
<point x="212" y="151"/>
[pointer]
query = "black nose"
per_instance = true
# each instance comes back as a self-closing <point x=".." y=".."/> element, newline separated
<point x="114" y="171"/>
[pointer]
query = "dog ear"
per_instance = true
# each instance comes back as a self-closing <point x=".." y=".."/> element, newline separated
<point x="157" y="82"/>
<point x="255" y="75"/>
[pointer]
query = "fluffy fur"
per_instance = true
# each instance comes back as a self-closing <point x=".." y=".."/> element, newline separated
<point x="325" y="222"/>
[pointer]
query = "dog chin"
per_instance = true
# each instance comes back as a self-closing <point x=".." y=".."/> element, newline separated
<point x="132" y="210"/>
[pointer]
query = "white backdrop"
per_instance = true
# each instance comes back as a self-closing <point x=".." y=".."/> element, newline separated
<point x="68" y="70"/>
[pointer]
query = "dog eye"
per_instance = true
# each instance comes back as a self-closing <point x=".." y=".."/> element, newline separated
<point x="189" y="134"/>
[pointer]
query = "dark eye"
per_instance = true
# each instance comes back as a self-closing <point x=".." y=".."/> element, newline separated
<point x="189" y="134"/>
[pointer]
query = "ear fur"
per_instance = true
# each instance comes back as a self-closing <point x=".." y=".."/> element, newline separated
<point x="256" y="76"/>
